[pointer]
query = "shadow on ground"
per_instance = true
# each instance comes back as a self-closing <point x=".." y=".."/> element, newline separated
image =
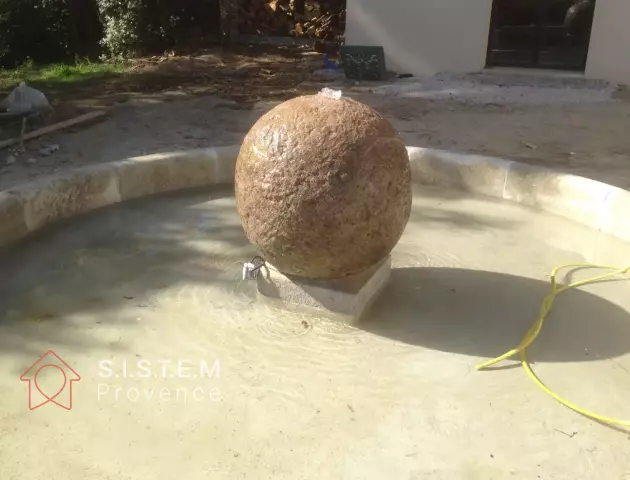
<point x="108" y="268"/>
<point x="439" y="205"/>
<point x="240" y="72"/>
<point x="485" y="314"/>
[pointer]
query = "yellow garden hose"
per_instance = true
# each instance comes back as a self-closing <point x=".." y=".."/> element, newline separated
<point x="533" y="332"/>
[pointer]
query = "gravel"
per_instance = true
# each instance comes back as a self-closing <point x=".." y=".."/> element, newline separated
<point x="493" y="88"/>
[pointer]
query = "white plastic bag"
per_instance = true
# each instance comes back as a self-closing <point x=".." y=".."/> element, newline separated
<point x="24" y="99"/>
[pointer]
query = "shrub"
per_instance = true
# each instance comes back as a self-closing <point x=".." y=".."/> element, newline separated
<point x="137" y="27"/>
<point x="47" y="31"/>
<point x="121" y="25"/>
<point x="33" y="29"/>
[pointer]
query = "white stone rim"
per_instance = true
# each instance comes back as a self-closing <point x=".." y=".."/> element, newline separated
<point x="31" y="206"/>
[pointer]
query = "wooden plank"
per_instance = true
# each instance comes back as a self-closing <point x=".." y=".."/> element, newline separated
<point x="54" y="127"/>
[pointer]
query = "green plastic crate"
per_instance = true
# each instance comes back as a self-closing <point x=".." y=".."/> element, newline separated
<point x="363" y="62"/>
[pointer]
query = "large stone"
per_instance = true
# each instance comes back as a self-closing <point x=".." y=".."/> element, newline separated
<point x="323" y="187"/>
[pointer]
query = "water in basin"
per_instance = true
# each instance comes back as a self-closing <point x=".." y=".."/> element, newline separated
<point x="185" y="374"/>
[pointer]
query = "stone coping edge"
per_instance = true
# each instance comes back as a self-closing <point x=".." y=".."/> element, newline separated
<point x="32" y="206"/>
<point x="597" y="205"/>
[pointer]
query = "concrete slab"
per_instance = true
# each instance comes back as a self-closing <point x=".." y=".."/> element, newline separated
<point x="349" y="296"/>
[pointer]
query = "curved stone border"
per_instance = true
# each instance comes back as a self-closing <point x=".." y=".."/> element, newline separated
<point x="597" y="205"/>
<point x="29" y="207"/>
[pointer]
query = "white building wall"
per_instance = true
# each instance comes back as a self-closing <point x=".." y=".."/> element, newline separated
<point x="425" y="37"/>
<point x="609" y="50"/>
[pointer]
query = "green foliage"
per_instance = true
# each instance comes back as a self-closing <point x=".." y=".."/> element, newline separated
<point x="35" y="29"/>
<point x="135" y="27"/>
<point x="34" y="74"/>
<point x="121" y="21"/>
<point x="47" y="31"/>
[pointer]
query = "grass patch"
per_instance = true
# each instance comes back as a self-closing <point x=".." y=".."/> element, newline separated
<point x="59" y="72"/>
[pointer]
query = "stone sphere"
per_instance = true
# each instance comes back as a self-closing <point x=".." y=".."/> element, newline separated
<point x="323" y="187"/>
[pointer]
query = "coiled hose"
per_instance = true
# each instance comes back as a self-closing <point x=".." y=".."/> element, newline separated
<point x="533" y="332"/>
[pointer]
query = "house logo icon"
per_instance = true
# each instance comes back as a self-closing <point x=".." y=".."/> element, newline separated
<point x="50" y="380"/>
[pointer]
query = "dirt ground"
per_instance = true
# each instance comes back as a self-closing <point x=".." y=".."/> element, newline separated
<point x="173" y="103"/>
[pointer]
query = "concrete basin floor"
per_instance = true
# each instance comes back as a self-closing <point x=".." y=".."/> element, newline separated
<point x="184" y="374"/>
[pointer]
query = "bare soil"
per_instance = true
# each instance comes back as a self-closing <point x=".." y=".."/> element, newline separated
<point x="212" y="98"/>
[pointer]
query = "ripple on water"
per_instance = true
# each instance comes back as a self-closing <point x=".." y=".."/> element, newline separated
<point x="183" y="264"/>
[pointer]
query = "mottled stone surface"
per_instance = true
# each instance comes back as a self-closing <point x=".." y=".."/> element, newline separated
<point x="323" y="187"/>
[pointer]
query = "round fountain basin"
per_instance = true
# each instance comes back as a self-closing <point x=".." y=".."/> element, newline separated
<point x="184" y="372"/>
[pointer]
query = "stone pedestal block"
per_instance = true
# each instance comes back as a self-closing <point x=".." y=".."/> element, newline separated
<point x="349" y="296"/>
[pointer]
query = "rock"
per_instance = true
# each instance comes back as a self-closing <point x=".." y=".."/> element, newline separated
<point x="11" y="160"/>
<point x="49" y="150"/>
<point x="323" y="187"/>
<point x="32" y="161"/>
